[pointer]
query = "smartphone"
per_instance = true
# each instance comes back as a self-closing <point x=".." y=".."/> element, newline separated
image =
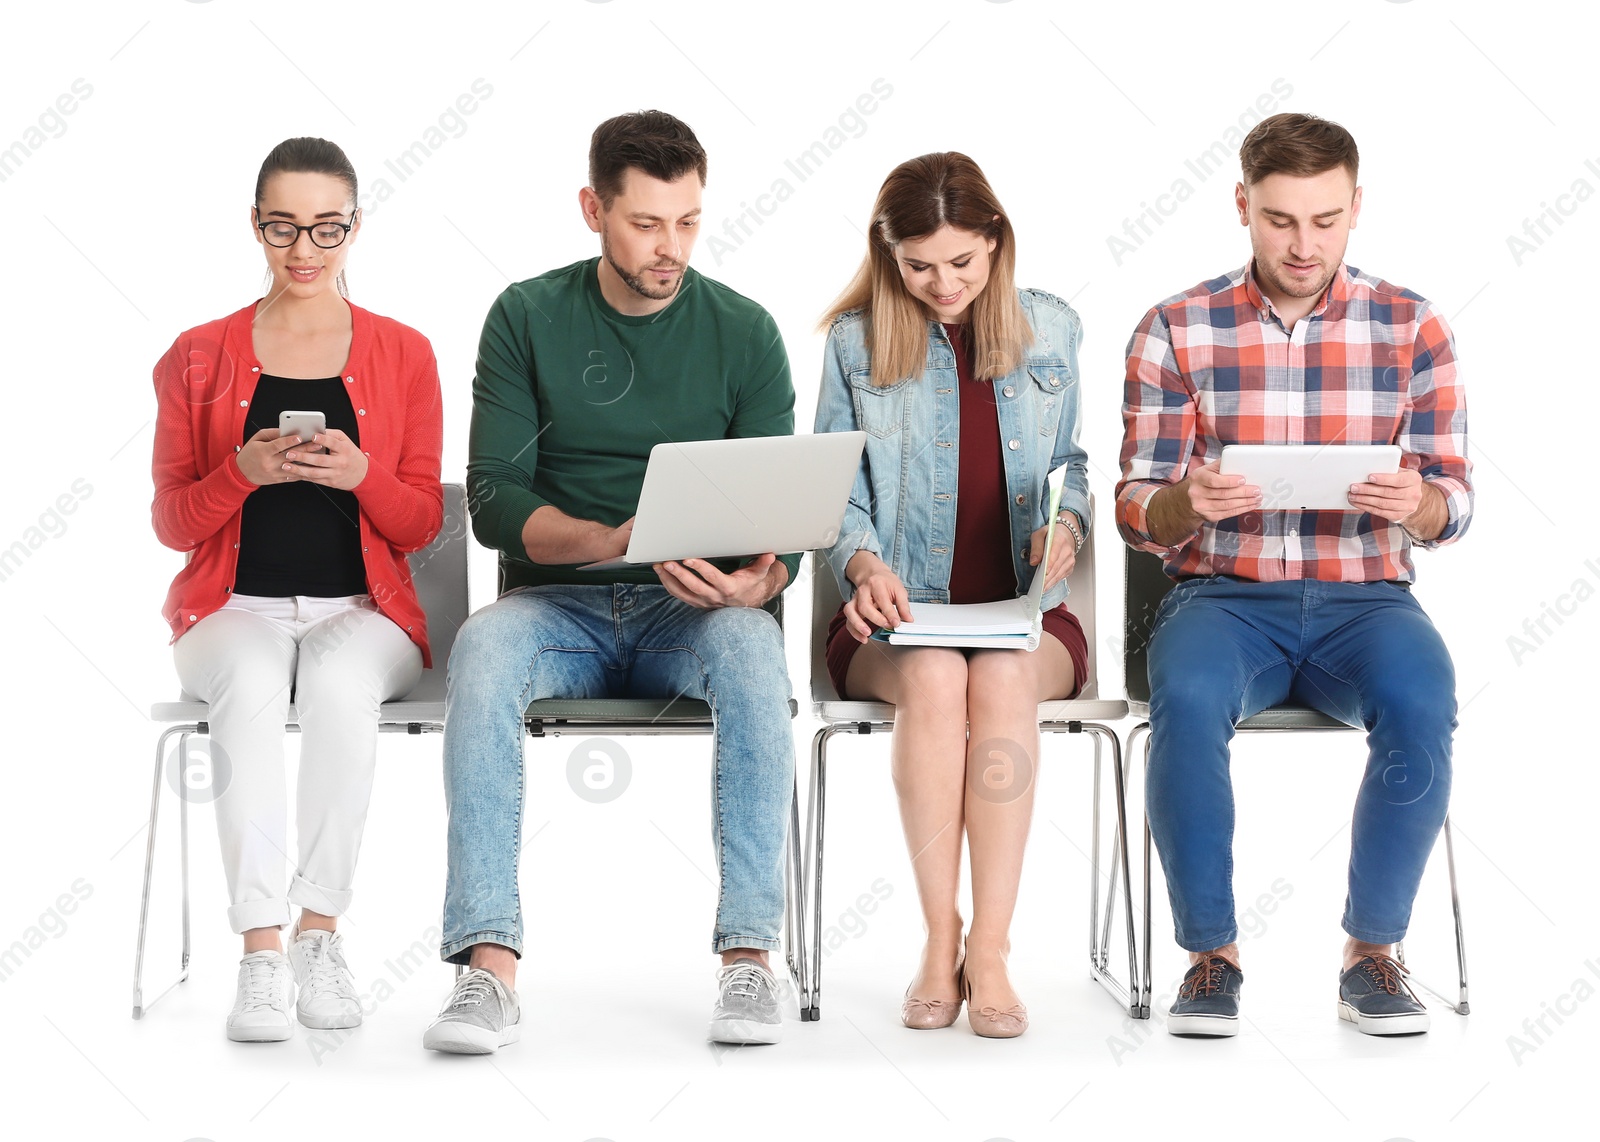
<point x="305" y="425"/>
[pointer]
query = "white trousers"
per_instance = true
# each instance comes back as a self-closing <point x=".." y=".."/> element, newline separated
<point x="337" y="660"/>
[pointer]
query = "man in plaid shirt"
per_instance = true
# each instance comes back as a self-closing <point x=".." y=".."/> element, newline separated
<point x="1312" y="608"/>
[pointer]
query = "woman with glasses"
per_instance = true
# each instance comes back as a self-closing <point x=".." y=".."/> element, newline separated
<point x="297" y="586"/>
<point x="967" y="388"/>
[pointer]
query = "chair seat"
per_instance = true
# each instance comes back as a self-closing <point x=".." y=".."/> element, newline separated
<point x="1292" y="718"/>
<point x="1079" y="710"/>
<point x="676" y="711"/>
<point x="409" y="709"/>
<point x="1277" y="718"/>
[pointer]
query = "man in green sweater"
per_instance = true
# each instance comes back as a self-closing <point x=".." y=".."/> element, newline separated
<point x="581" y="371"/>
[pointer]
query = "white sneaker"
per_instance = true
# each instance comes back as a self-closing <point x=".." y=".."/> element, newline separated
<point x="261" y="1010"/>
<point x="327" y="989"/>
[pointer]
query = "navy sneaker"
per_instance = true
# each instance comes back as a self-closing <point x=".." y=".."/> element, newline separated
<point x="1376" y="998"/>
<point x="1208" y="1001"/>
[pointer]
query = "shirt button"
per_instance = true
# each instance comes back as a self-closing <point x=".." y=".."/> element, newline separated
<point x="192" y="619"/>
<point x="244" y="404"/>
<point x="1009" y="391"/>
<point x="361" y="412"/>
<point x="1013" y="444"/>
<point x="1021" y="500"/>
<point x="255" y="368"/>
<point x="1293" y="533"/>
<point x="347" y="380"/>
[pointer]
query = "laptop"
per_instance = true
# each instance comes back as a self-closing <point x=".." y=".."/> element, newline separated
<point x="711" y="499"/>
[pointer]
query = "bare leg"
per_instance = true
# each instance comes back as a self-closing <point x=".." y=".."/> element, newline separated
<point x="1227" y="952"/>
<point x="310" y="920"/>
<point x="498" y="960"/>
<point x="1354" y="949"/>
<point x="1004" y="688"/>
<point x="928" y="686"/>
<point x="262" y="940"/>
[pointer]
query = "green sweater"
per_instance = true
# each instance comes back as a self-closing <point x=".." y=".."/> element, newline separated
<point x="570" y="396"/>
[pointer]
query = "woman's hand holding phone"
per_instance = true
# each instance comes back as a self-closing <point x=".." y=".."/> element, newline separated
<point x="341" y="465"/>
<point x="262" y="460"/>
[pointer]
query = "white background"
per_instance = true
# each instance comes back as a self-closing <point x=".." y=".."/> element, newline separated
<point x="129" y="223"/>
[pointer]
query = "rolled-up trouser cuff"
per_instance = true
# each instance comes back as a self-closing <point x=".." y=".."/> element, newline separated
<point x="316" y="898"/>
<point x="460" y="951"/>
<point x="727" y="943"/>
<point x="248" y="914"/>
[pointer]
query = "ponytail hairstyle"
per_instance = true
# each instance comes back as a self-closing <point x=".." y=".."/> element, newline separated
<point x="919" y="197"/>
<point x="309" y="155"/>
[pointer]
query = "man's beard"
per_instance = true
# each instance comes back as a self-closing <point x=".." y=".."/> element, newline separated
<point x="637" y="282"/>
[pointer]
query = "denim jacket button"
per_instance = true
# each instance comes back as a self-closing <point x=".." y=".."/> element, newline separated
<point x="1013" y="444"/>
<point x="1022" y="500"/>
<point x="1055" y="382"/>
<point x="1009" y="391"/>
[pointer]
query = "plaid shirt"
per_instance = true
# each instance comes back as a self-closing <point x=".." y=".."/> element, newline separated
<point x="1371" y="364"/>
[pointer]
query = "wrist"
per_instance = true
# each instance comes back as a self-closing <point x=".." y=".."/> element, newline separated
<point x="1068" y="519"/>
<point x="861" y="564"/>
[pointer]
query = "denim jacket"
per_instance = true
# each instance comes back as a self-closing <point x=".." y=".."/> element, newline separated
<point x="903" y="503"/>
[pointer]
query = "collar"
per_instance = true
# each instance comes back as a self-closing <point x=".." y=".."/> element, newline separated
<point x="1333" y="298"/>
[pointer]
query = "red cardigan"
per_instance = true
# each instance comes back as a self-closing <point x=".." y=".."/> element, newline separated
<point x="204" y="384"/>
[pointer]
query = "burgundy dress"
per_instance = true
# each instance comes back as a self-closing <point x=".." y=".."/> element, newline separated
<point x="981" y="568"/>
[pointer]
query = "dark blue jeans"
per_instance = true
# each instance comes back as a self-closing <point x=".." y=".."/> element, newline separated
<point x="1223" y="649"/>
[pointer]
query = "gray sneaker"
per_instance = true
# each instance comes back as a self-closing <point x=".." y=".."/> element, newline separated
<point x="478" y="1018"/>
<point x="747" y="1004"/>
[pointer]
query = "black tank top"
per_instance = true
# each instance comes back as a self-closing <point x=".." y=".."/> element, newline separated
<point x="300" y="538"/>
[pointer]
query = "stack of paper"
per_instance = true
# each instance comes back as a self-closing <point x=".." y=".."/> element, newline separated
<point x="1003" y="624"/>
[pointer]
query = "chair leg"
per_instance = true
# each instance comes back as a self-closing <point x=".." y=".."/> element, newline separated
<point x="1462" y="1007"/>
<point x="183" y="856"/>
<point x="1147" y="977"/>
<point x="1100" y="925"/>
<point x="149" y="866"/>
<point x="815" y="817"/>
<point x="794" y="914"/>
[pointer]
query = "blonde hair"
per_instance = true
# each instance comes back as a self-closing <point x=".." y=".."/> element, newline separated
<point x="921" y="195"/>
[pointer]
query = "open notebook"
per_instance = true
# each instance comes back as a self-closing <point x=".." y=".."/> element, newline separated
<point x="1004" y="624"/>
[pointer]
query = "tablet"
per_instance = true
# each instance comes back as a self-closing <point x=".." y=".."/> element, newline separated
<point x="705" y="499"/>
<point x="1307" y="477"/>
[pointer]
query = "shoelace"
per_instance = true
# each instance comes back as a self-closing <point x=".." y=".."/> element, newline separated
<point x="259" y="989"/>
<point x="743" y="979"/>
<point x="1388" y="973"/>
<point x="325" y="969"/>
<point x="471" y="991"/>
<point x="1204" y="982"/>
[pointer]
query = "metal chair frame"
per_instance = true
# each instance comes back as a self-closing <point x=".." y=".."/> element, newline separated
<point x="1146" y="582"/>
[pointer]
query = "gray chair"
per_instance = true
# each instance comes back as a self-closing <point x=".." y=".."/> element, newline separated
<point x="1146" y="583"/>
<point x="1073" y="717"/>
<point x="586" y="717"/>
<point x="439" y="572"/>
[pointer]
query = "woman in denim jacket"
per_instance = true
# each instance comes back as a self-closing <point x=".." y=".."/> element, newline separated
<point x="967" y="389"/>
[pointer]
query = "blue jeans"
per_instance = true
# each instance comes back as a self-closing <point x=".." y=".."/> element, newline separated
<point x="1223" y="649"/>
<point x="622" y="640"/>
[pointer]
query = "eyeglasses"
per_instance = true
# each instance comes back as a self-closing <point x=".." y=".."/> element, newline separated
<point x="327" y="235"/>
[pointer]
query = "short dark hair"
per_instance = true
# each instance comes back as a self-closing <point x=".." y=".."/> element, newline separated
<point x="306" y="155"/>
<point x="1301" y="145"/>
<point x="660" y="145"/>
